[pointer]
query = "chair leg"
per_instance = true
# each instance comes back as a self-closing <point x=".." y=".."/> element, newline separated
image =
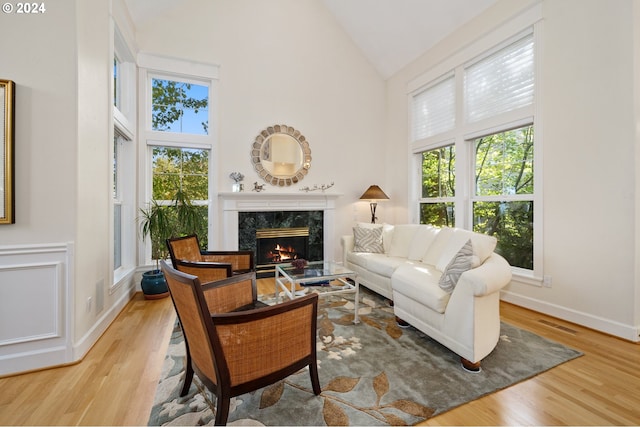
<point x="222" y="410"/>
<point x="315" y="381"/>
<point x="188" y="375"/>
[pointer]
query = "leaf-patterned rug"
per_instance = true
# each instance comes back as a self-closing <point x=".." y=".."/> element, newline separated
<point x="373" y="373"/>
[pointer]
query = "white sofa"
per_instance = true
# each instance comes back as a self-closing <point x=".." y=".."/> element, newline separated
<point x="443" y="281"/>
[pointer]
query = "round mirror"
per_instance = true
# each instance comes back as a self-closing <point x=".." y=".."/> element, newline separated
<point x="281" y="155"/>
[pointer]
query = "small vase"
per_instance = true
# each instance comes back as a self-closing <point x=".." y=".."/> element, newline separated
<point x="237" y="187"/>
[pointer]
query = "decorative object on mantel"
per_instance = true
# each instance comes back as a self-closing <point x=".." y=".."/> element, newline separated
<point x="237" y="177"/>
<point x="373" y="194"/>
<point x="258" y="187"/>
<point x="281" y="155"/>
<point x="317" y="187"/>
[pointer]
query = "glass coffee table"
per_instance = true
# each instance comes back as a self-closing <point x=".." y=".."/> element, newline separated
<point x="325" y="277"/>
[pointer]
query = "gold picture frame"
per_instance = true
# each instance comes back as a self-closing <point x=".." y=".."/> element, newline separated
<point x="7" y="122"/>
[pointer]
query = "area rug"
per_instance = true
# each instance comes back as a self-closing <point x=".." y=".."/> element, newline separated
<point x="373" y="373"/>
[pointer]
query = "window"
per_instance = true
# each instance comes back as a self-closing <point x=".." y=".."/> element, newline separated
<point x="179" y="106"/>
<point x="503" y="200"/>
<point x="475" y="152"/>
<point x="124" y="166"/>
<point x="178" y="129"/>
<point x="438" y="187"/>
<point x="183" y="170"/>
<point x="116" y="83"/>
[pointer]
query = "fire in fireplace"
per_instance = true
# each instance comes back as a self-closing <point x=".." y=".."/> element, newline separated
<point x="278" y="245"/>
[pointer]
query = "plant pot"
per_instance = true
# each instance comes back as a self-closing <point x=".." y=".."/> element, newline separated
<point x="153" y="284"/>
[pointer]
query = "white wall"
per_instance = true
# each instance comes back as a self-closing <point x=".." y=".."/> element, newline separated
<point x="588" y="140"/>
<point x="288" y="62"/>
<point x="57" y="254"/>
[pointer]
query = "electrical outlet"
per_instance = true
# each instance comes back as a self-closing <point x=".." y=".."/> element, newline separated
<point x="89" y="301"/>
<point x="546" y="281"/>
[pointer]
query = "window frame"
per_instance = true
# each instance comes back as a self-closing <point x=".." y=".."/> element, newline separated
<point x="123" y="151"/>
<point x="464" y="134"/>
<point x="157" y="67"/>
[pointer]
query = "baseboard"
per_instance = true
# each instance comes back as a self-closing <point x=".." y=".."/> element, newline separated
<point x="82" y="347"/>
<point x="627" y="332"/>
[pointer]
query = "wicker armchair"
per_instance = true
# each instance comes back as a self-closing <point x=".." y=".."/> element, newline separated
<point x="235" y="352"/>
<point x="187" y="248"/>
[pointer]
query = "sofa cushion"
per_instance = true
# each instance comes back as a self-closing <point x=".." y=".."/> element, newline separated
<point x="483" y="246"/>
<point x="368" y="240"/>
<point x="460" y="263"/>
<point x="432" y="256"/>
<point x="424" y="237"/>
<point x="420" y="283"/>
<point x="387" y="233"/>
<point x="384" y="265"/>
<point x="401" y="241"/>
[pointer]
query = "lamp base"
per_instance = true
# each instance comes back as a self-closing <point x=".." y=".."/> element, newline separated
<point x="373" y="206"/>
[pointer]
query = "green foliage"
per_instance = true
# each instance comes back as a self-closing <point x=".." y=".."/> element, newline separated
<point x="438" y="172"/>
<point x="170" y="100"/>
<point x="503" y="168"/>
<point x="512" y="224"/>
<point x="183" y="168"/>
<point x="180" y="218"/>
<point x="438" y="214"/>
<point x="504" y="163"/>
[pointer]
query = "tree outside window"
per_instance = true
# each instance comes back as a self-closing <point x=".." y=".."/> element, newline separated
<point x="183" y="173"/>
<point x="179" y="107"/>
<point x="503" y="202"/>
<point x="438" y="187"/>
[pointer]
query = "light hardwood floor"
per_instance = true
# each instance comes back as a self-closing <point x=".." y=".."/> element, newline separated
<point x="116" y="381"/>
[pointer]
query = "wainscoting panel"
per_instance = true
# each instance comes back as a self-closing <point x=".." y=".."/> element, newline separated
<point x="35" y="320"/>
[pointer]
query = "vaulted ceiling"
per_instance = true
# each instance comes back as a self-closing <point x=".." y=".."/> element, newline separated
<point x="390" y="33"/>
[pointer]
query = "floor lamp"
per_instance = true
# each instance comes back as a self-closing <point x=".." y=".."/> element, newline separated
<point x="374" y="193"/>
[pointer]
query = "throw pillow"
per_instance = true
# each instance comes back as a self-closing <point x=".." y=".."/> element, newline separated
<point x="458" y="265"/>
<point x="368" y="240"/>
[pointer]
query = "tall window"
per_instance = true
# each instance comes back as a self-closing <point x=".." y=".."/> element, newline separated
<point x="473" y="130"/>
<point x="179" y="131"/>
<point x="124" y="165"/>
<point x="503" y="199"/>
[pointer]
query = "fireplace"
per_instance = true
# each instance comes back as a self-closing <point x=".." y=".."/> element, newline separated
<point x="243" y="213"/>
<point x="279" y="245"/>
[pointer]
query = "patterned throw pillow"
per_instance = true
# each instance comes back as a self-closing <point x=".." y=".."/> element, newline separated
<point x="368" y="240"/>
<point x="458" y="265"/>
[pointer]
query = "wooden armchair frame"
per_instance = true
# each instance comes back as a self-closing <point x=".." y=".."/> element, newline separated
<point x="235" y="352"/>
<point x="187" y="248"/>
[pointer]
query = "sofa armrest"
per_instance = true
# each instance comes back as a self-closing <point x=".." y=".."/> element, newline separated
<point x="493" y="275"/>
<point x="347" y="242"/>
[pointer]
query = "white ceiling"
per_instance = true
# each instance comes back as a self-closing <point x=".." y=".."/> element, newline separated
<point x="390" y="33"/>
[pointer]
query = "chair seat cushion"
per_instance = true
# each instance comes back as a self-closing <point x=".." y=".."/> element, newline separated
<point x="420" y="283"/>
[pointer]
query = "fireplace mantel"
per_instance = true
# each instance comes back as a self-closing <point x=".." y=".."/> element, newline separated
<point x="232" y="203"/>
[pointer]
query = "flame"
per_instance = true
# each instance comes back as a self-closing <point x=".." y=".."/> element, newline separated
<point x="282" y="253"/>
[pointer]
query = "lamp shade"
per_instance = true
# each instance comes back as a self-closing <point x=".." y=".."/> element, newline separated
<point x="374" y="193"/>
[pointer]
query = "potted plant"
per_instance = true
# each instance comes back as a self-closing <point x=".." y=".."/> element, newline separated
<point x="159" y="222"/>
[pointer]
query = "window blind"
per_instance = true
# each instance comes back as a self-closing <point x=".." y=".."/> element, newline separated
<point x="500" y="82"/>
<point x="433" y="109"/>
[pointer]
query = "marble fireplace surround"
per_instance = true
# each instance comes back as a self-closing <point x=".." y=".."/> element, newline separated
<point x="233" y="203"/>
